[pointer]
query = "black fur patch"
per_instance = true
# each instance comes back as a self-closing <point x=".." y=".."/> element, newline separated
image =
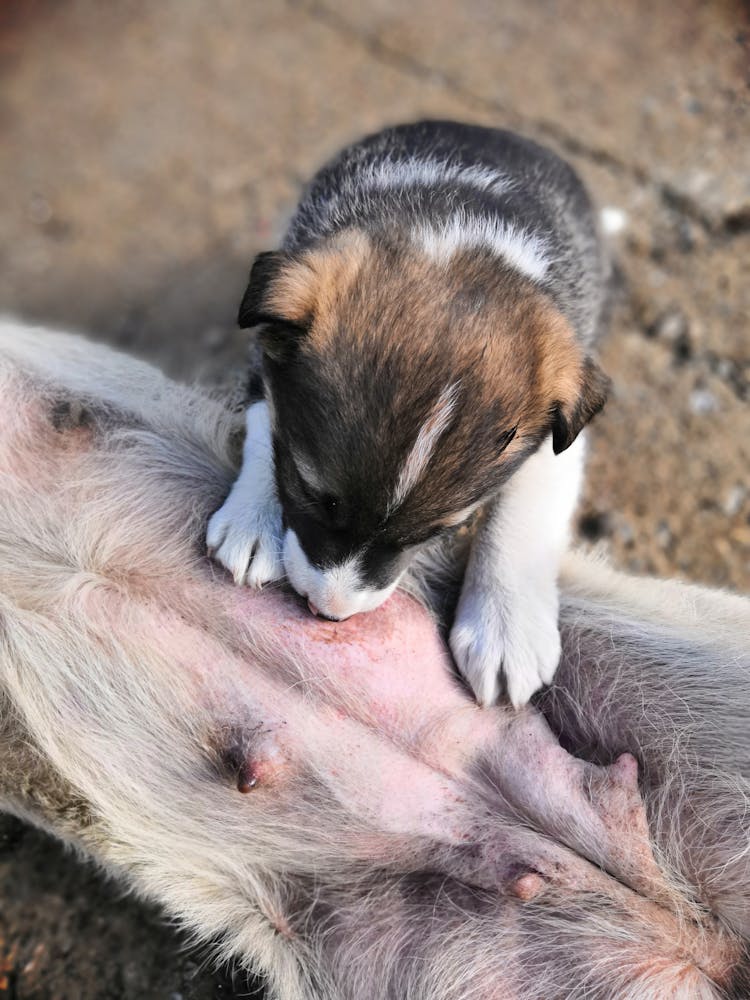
<point x="568" y="422"/>
<point x="265" y="268"/>
<point x="278" y="336"/>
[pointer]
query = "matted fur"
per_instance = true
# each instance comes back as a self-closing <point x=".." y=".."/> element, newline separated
<point x="130" y="699"/>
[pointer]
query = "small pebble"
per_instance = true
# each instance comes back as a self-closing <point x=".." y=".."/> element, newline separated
<point x="663" y="535"/>
<point x="625" y="533"/>
<point x="703" y="402"/>
<point x="734" y="500"/>
<point x="613" y="220"/>
<point x="671" y="326"/>
<point x="686" y="235"/>
<point x="725" y="369"/>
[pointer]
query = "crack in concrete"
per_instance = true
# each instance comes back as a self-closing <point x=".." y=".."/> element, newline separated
<point x="671" y="198"/>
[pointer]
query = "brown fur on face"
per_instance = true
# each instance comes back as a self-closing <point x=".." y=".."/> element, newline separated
<point x="388" y="328"/>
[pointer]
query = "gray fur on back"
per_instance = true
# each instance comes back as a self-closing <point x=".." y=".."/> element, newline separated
<point x="403" y="177"/>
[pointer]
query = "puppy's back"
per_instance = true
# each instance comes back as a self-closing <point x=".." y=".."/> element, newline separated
<point x="445" y="185"/>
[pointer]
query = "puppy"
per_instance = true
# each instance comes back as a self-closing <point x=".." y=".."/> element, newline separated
<point x="426" y="330"/>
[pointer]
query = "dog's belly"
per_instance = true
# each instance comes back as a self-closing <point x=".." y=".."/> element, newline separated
<point x="324" y="797"/>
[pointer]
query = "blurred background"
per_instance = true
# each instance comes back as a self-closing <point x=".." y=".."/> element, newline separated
<point x="150" y="149"/>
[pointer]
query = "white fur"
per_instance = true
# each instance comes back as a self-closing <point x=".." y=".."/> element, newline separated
<point x="399" y="176"/>
<point x="429" y="173"/>
<point x="506" y="621"/>
<point x="429" y="434"/>
<point x="335" y="591"/>
<point x="523" y="250"/>
<point x="245" y="533"/>
<point x="308" y="473"/>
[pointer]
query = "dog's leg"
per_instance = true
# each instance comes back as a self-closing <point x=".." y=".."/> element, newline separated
<point x="506" y="620"/>
<point x="245" y="533"/>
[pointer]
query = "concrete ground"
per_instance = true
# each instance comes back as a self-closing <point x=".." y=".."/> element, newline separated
<point x="150" y="149"/>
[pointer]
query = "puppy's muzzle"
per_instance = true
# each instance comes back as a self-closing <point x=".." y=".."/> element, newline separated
<point x="319" y="614"/>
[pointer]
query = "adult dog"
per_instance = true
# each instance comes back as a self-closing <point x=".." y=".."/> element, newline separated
<point x="324" y="799"/>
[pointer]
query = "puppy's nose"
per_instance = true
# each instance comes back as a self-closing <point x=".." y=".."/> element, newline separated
<point x="319" y="614"/>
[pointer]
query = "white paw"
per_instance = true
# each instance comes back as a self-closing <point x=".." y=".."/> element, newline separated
<point x="245" y="536"/>
<point x="511" y="632"/>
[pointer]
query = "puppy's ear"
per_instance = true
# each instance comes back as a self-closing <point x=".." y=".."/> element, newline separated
<point x="569" y="419"/>
<point x="254" y="308"/>
<point x="280" y="334"/>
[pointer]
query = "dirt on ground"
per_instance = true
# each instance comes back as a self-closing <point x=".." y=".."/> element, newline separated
<point x="149" y="150"/>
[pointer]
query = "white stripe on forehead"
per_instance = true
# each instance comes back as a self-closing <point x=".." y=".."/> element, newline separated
<point x="429" y="434"/>
<point x="522" y="249"/>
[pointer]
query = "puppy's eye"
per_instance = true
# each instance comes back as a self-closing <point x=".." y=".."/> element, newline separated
<point x="333" y="511"/>
<point x="330" y="504"/>
<point x="329" y="508"/>
<point x="505" y="438"/>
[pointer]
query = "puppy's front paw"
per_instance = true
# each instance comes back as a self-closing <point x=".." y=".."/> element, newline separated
<point x="245" y="536"/>
<point x="510" y="632"/>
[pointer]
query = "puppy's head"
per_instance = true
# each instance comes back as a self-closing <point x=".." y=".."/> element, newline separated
<point x="405" y="391"/>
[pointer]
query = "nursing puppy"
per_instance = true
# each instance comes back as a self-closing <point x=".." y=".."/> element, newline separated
<point x="426" y="329"/>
